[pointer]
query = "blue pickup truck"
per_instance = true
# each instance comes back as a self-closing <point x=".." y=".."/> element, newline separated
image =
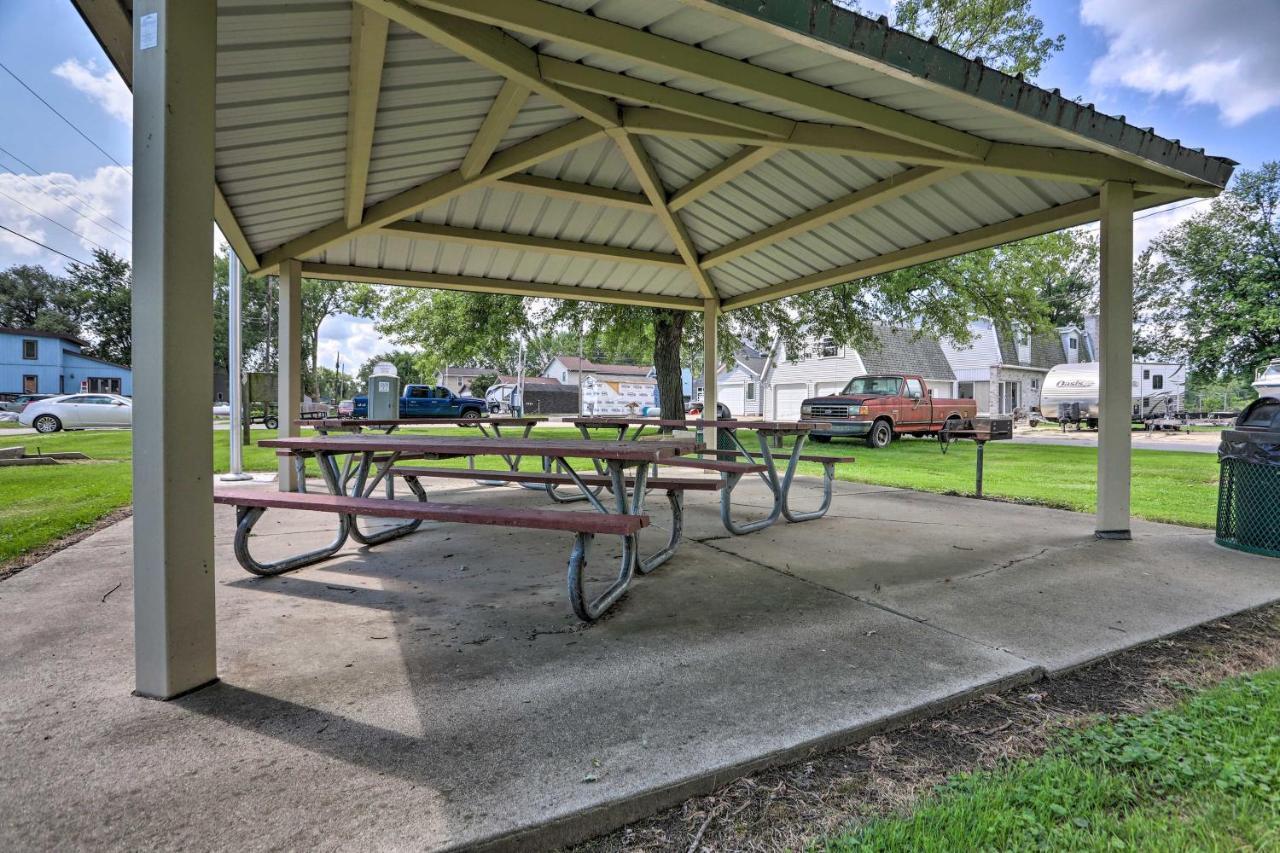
<point x="427" y="401"/>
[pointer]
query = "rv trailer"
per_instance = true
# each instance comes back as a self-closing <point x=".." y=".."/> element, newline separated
<point x="1071" y="392"/>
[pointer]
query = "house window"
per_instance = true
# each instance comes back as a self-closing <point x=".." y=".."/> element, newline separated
<point x="30" y="385"/>
<point x="1146" y="374"/>
<point x="1157" y="382"/>
<point x="751" y="390"/>
<point x="1072" y="342"/>
<point x="30" y="350"/>
<point x="1035" y="383"/>
<point x="965" y="391"/>
<point x="828" y="349"/>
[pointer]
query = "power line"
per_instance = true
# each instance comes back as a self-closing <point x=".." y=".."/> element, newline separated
<point x="75" y="195"/>
<point x="43" y="246"/>
<point x="1175" y="207"/>
<point x="61" y="116"/>
<point x="53" y="197"/>
<point x="51" y="219"/>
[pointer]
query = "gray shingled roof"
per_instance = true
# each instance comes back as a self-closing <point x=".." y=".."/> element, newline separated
<point x="1046" y="350"/>
<point x="900" y="351"/>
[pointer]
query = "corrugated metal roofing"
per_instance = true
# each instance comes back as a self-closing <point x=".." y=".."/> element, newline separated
<point x="282" y="102"/>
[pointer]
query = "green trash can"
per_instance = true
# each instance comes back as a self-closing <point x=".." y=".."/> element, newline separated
<point x="1249" y="481"/>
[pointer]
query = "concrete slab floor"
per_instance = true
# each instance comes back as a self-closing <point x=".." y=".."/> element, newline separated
<point x="437" y="693"/>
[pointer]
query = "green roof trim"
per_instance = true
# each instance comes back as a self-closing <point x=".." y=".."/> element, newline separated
<point x="876" y="40"/>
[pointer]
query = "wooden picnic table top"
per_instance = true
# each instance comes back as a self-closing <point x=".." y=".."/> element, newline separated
<point x="356" y="423"/>
<point x="449" y="446"/>
<point x="679" y="423"/>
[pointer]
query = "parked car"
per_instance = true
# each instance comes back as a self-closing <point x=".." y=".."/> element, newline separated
<point x="876" y="408"/>
<point x="17" y="404"/>
<point x="78" y="411"/>
<point x="427" y="401"/>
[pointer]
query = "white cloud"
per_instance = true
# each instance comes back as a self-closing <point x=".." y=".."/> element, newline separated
<point x="103" y="86"/>
<point x="1209" y="52"/>
<point x="85" y="205"/>
<point x="354" y="338"/>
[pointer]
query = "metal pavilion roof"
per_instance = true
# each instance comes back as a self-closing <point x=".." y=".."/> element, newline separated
<point x="657" y="153"/>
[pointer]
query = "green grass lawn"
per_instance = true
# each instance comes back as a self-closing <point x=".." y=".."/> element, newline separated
<point x="40" y="504"/>
<point x="1202" y="776"/>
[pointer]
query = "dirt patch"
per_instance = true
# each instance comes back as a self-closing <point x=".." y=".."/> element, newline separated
<point x="35" y="555"/>
<point x="791" y="806"/>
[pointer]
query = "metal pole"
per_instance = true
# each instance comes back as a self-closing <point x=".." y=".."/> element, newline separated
<point x="234" y="387"/>
<point x="981" y="445"/>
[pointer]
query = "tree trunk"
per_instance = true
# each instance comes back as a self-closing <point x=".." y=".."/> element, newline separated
<point x="668" y="333"/>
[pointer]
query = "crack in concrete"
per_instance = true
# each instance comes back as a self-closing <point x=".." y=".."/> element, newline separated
<point x="871" y="603"/>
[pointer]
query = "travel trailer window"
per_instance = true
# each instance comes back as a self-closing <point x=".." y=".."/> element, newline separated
<point x="1157" y="382"/>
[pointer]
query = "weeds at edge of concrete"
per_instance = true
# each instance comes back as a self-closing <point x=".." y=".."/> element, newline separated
<point x="24" y="561"/>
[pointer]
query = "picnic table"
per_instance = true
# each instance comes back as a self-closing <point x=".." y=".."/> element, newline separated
<point x="779" y="486"/>
<point x="327" y="426"/>
<point x="377" y="455"/>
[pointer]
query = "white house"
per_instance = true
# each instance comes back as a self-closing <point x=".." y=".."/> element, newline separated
<point x="566" y="368"/>
<point x="1004" y="370"/>
<point x="822" y="367"/>
<point x="739" y="388"/>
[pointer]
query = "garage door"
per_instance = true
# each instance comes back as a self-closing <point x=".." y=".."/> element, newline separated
<point x="733" y="396"/>
<point x="822" y="389"/>
<point x="787" y="400"/>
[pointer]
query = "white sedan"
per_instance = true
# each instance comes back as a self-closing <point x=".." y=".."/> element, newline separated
<point x="78" y="411"/>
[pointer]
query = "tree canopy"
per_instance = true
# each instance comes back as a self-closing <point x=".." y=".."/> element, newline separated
<point x="1208" y="289"/>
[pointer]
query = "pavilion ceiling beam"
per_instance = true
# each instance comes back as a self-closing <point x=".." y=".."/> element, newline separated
<point x="503" y="240"/>
<point x="642" y="167"/>
<point x="1019" y="228"/>
<point x="571" y="191"/>
<point x="509" y="161"/>
<point x="1054" y="164"/>
<point x="743" y="161"/>
<point x="230" y="229"/>
<point x="473" y="284"/>
<point x="610" y="84"/>
<point x="597" y="35"/>
<point x="492" y="48"/>
<point x="878" y="193"/>
<point x="368" y="50"/>
<point x="506" y="106"/>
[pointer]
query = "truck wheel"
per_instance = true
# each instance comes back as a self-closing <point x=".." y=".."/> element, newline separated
<point x="821" y="439"/>
<point x="881" y="434"/>
<point x="471" y="414"/>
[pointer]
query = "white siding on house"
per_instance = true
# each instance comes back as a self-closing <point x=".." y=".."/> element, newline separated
<point x="940" y="388"/>
<point x="731" y="388"/>
<point x="787" y="376"/>
<point x="978" y="355"/>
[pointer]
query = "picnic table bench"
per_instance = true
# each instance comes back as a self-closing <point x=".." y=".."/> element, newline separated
<point x="763" y="463"/>
<point x="381" y="454"/>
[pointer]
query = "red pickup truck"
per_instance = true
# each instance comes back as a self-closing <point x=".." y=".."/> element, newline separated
<point x="876" y="408"/>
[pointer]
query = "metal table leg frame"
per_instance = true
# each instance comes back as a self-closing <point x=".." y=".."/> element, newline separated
<point x="648" y="564"/>
<point x="587" y="608"/>
<point x="770" y="477"/>
<point x="247" y="517"/>
<point x="363" y="488"/>
<point x="828" y="474"/>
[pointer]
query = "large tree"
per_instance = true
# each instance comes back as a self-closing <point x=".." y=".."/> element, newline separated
<point x="106" y="286"/>
<point x="34" y="298"/>
<point x="1208" y="289"/>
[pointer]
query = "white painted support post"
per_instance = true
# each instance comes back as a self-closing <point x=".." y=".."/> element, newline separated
<point x="710" y="366"/>
<point x="173" y="588"/>
<point x="235" y="356"/>
<point x="289" y="369"/>
<point x="1115" y="397"/>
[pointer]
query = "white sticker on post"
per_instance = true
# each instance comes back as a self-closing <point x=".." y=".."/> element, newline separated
<point x="148" y="29"/>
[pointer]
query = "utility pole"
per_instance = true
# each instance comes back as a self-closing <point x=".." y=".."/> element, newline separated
<point x="235" y="388"/>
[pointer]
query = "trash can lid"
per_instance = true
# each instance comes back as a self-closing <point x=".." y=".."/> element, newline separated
<point x="1262" y="414"/>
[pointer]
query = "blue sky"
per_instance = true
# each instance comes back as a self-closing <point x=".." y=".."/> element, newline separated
<point x="1202" y="71"/>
